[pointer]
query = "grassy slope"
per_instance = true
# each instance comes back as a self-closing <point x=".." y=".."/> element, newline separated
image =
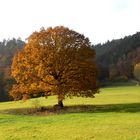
<point x="112" y="115"/>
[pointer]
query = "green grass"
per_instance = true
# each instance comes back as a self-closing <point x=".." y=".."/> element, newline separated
<point x="113" y="115"/>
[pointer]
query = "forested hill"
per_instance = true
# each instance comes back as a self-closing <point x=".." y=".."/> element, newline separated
<point x="8" y="48"/>
<point x="119" y="58"/>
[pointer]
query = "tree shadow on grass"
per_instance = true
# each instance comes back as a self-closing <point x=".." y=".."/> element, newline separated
<point x="49" y="110"/>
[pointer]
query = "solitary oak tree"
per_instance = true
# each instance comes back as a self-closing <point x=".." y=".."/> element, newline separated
<point x="56" y="61"/>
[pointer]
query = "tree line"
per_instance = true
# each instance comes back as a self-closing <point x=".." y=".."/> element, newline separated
<point x="119" y="59"/>
<point x="8" y="48"/>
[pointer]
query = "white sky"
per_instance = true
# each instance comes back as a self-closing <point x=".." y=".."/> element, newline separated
<point x="100" y="20"/>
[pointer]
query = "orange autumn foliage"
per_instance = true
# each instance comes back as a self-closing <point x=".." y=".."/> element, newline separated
<point x="56" y="61"/>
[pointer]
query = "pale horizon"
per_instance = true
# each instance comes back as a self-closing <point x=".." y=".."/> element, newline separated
<point x="96" y="19"/>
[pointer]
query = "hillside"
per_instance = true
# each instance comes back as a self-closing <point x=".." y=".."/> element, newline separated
<point x="117" y="58"/>
<point x="113" y="115"/>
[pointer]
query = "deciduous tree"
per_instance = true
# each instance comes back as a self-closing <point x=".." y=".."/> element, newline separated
<point x="137" y="71"/>
<point x="56" y="61"/>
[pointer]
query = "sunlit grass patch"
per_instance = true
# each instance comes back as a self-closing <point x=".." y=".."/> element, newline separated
<point x="113" y="115"/>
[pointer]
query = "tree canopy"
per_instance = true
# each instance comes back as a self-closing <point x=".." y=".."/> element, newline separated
<point x="55" y="61"/>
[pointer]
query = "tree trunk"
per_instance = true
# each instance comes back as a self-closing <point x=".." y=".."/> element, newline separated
<point x="60" y="103"/>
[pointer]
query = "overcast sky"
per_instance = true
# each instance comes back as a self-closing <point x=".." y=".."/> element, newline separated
<point x="100" y="20"/>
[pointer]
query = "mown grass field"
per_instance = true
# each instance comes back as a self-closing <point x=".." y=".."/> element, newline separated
<point x="113" y="115"/>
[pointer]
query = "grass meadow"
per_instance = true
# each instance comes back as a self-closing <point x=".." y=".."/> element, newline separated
<point x="113" y="115"/>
